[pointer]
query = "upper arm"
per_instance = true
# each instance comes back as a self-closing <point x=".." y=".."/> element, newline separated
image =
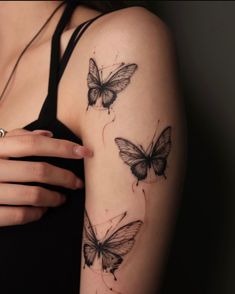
<point x="132" y="223"/>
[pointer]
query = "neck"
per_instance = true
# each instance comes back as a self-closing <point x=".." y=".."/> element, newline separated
<point x="20" y="21"/>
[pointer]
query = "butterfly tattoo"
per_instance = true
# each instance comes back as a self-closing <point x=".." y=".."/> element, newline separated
<point x="140" y="160"/>
<point x="108" y="89"/>
<point x="112" y="248"/>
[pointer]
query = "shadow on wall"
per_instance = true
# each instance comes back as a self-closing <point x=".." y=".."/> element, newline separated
<point x="196" y="244"/>
<point x="203" y="34"/>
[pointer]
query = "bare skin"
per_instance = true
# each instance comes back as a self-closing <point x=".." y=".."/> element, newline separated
<point x="23" y="100"/>
<point x="125" y="251"/>
<point x="19" y="142"/>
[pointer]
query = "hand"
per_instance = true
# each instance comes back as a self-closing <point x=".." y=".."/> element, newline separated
<point x="29" y="203"/>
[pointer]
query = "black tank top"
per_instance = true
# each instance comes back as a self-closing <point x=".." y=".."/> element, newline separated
<point x="45" y="256"/>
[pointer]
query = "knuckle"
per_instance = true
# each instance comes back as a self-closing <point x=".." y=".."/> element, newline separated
<point x="62" y="147"/>
<point x="70" y="178"/>
<point x="58" y="199"/>
<point x="24" y="215"/>
<point x="29" y="140"/>
<point x="34" y="195"/>
<point x="21" y="215"/>
<point x="40" y="170"/>
<point x="55" y="200"/>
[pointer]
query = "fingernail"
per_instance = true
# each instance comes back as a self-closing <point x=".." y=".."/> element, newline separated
<point x="82" y="151"/>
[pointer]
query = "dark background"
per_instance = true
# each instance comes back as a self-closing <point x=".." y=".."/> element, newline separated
<point x="202" y="255"/>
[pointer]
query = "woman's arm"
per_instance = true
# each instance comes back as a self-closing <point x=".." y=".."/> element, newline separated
<point x="134" y="123"/>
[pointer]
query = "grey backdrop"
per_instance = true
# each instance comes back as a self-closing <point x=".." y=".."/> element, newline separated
<point x="202" y="258"/>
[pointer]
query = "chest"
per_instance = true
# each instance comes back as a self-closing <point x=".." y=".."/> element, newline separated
<point x="28" y="89"/>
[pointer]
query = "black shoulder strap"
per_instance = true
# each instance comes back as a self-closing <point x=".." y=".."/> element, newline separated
<point x="55" y="45"/>
<point x="49" y="109"/>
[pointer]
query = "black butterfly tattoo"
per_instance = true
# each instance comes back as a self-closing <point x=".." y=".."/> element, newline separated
<point x="108" y="89"/>
<point x="141" y="160"/>
<point x="112" y="249"/>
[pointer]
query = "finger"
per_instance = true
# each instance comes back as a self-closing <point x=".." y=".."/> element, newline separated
<point x="13" y="194"/>
<point x="19" y="215"/>
<point x="28" y="145"/>
<point x="43" y="132"/>
<point x="42" y="172"/>
<point x="17" y="132"/>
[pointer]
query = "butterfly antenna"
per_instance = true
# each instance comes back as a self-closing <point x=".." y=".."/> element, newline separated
<point x="113" y="227"/>
<point x="142" y="148"/>
<point x="107" y="78"/>
<point x="121" y="215"/>
<point x="111" y="121"/>
<point x="150" y="146"/>
<point x="107" y="231"/>
<point x="101" y="75"/>
<point x="120" y="64"/>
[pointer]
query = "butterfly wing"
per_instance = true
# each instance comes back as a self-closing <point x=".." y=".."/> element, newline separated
<point x="93" y="78"/>
<point x="160" y="151"/>
<point x="89" y="252"/>
<point x="116" y="83"/>
<point x="90" y="241"/>
<point x="93" y="95"/>
<point x="94" y="83"/>
<point x="122" y="240"/>
<point x="133" y="156"/>
<point x="110" y="261"/>
<point x="140" y="170"/>
<point x="119" y="244"/>
<point x="108" y="97"/>
<point x="119" y="80"/>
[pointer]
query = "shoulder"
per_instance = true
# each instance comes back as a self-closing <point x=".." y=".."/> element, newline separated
<point x="134" y="21"/>
<point x="134" y="26"/>
<point x="132" y="31"/>
<point x="125" y="36"/>
<point x="124" y="28"/>
<point x="132" y="34"/>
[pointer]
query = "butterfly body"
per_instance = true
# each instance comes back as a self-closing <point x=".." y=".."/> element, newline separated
<point x="140" y="160"/>
<point x="99" y="248"/>
<point x="107" y="90"/>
